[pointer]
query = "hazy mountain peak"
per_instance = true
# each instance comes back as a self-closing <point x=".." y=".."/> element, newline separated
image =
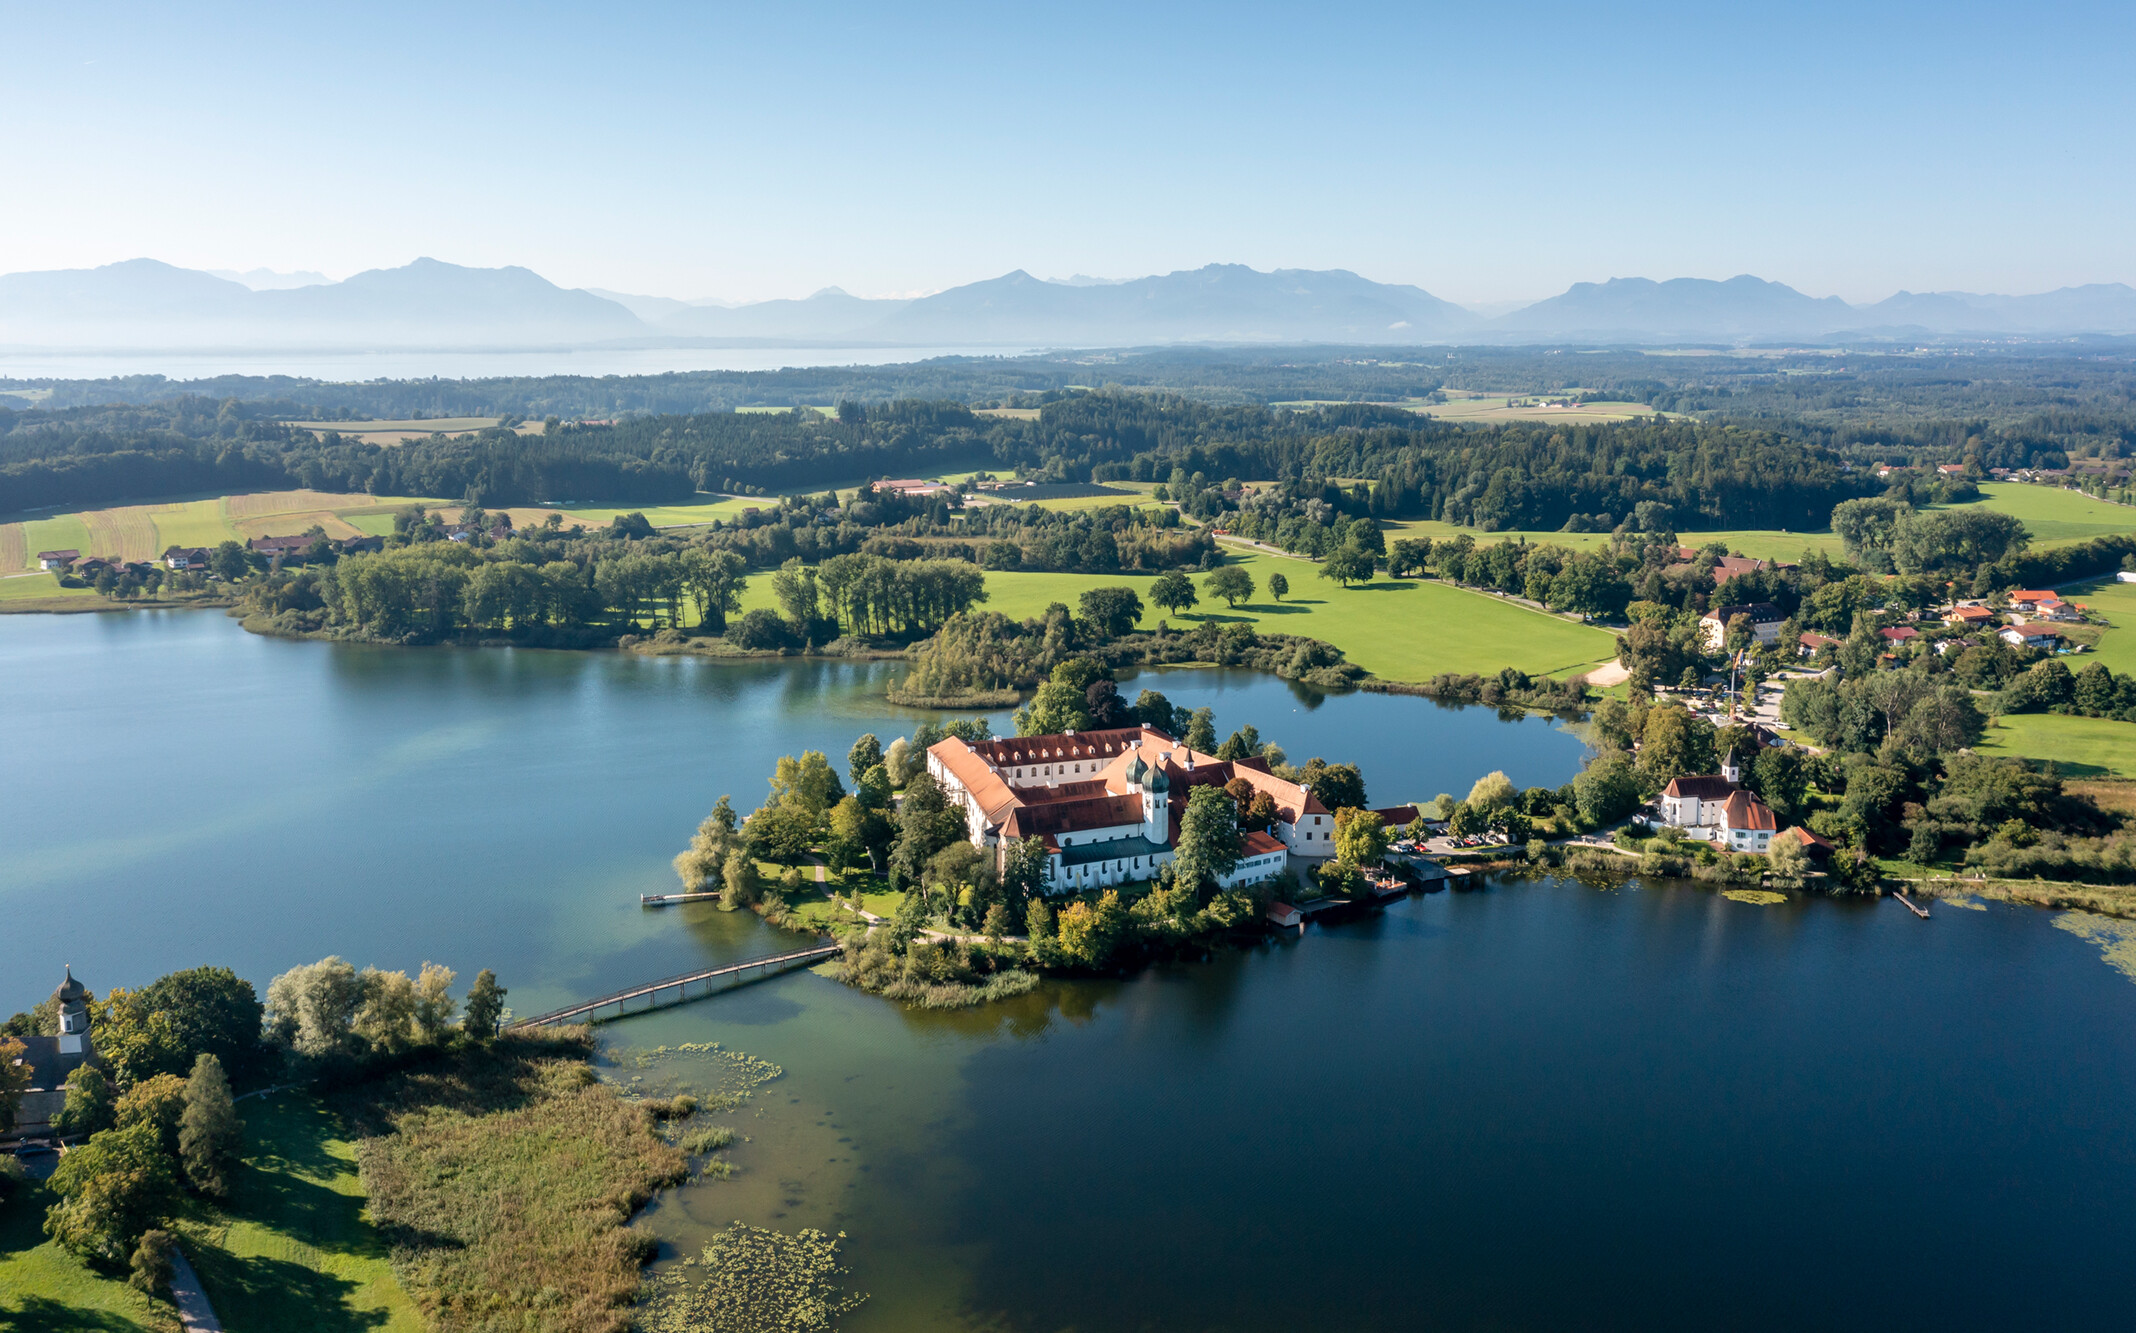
<point x="267" y="280"/>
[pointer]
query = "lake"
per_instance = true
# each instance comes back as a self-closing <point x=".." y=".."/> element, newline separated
<point x="360" y="366"/>
<point x="1531" y="1105"/>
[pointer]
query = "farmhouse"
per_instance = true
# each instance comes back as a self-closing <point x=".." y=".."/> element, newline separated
<point x="185" y="557"/>
<point x="1107" y="804"/>
<point x="278" y="548"/>
<point x="1971" y="617"/>
<point x="49" y="560"/>
<point x="909" y="486"/>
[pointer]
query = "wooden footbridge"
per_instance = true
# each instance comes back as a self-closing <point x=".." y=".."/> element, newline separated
<point x="676" y="990"/>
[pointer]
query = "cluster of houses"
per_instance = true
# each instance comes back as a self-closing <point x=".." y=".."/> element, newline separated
<point x="190" y="558"/>
<point x="2025" y="619"/>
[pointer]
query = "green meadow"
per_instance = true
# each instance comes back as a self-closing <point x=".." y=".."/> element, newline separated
<point x="2115" y="603"/>
<point x="2079" y="746"/>
<point x="1398" y="629"/>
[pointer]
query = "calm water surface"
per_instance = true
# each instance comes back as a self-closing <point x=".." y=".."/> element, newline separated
<point x="1532" y="1106"/>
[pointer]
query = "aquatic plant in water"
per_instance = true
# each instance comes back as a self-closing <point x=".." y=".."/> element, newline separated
<point x="1757" y="897"/>
<point x="2115" y="938"/>
<point x="753" y="1280"/>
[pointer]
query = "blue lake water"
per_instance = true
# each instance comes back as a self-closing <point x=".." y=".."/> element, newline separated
<point x="1533" y="1105"/>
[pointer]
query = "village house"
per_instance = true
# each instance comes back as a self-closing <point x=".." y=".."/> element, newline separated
<point x="52" y="1061"/>
<point x="1971" y="617"/>
<point x="279" y="548"/>
<point x="1807" y="644"/>
<point x="51" y="560"/>
<point x="2030" y="636"/>
<point x="1107" y="805"/>
<point x="1898" y="634"/>
<point x="1765" y="620"/>
<point x="185" y="557"/>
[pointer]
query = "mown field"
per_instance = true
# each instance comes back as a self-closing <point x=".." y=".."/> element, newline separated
<point x="2080" y="746"/>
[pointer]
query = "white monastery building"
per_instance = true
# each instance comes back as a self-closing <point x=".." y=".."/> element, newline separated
<point x="1103" y="803"/>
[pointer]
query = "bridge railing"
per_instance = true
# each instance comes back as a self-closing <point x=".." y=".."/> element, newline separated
<point x="677" y="983"/>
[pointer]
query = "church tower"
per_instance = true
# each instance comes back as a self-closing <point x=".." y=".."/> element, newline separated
<point x="1156" y="800"/>
<point x="73" y="999"/>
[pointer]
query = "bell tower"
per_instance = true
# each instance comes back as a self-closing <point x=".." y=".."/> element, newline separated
<point x="73" y="999"/>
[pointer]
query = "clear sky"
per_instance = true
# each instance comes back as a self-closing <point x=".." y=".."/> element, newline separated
<point x="1482" y="151"/>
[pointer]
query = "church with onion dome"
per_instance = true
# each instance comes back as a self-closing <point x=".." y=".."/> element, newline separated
<point x="53" y="1060"/>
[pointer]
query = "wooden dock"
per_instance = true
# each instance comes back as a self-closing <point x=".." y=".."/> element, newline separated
<point x="676" y="990"/>
<point x="663" y="899"/>
<point x="1921" y="912"/>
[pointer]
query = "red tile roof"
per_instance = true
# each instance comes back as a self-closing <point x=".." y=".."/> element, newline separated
<point x="1745" y="811"/>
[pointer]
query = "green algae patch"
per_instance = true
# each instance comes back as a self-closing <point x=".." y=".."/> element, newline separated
<point x="2114" y="937"/>
<point x="1755" y="897"/>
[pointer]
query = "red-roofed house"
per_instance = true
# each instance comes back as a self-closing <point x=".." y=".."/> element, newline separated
<point x="1899" y="634"/>
<point x="1972" y="617"/>
<point x="1747" y="823"/>
<point x="1102" y="802"/>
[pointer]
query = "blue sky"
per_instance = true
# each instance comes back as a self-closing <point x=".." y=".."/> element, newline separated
<point x="1482" y="152"/>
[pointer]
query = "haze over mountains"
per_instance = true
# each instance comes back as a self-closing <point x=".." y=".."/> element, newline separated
<point x="144" y="304"/>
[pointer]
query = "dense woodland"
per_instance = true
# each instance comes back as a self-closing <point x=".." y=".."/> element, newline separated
<point x="1767" y="436"/>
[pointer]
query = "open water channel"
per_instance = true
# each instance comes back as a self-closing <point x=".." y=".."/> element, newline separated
<point x="1534" y="1105"/>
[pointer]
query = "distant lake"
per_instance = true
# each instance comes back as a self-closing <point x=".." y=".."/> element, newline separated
<point x="346" y="367"/>
<point x="1530" y="1105"/>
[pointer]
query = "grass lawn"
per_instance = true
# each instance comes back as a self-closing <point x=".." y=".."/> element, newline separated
<point x="27" y="587"/>
<point x="294" y="1248"/>
<point x="2056" y="517"/>
<point x="2115" y="602"/>
<point x="1399" y="629"/>
<point x="2079" y="746"/>
<point x="44" y="1289"/>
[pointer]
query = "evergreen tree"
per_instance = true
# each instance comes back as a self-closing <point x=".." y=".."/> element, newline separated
<point x="210" y="1136"/>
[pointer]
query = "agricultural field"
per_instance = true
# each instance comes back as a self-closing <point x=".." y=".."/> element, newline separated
<point x="142" y="532"/>
<point x="2057" y="517"/>
<point x="2079" y="746"/>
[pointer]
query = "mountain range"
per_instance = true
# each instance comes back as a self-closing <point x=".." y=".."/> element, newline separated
<point x="148" y="305"/>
